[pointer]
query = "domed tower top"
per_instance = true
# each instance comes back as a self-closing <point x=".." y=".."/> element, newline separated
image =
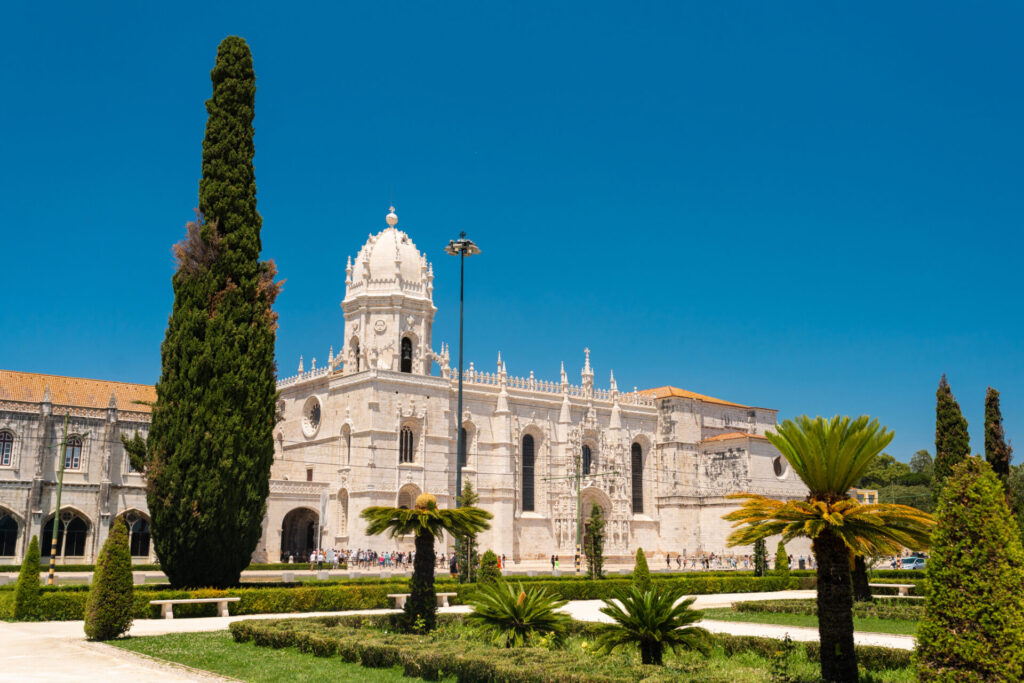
<point x="389" y="263"/>
<point x="388" y="305"/>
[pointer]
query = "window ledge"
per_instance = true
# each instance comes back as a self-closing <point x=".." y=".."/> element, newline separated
<point x="642" y="518"/>
<point x="531" y="515"/>
<point x="410" y="466"/>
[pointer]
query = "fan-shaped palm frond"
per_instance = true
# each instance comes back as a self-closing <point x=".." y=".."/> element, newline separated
<point x="511" y="617"/>
<point x="830" y="456"/>
<point x="653" y="620"/>
<point x="870" y="530"/>
<point x="432" y="520"/>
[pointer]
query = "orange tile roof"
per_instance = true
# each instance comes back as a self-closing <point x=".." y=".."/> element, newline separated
<point x="665" y="392"/>
<point x="733" y="435"/>
<point x="74" y="391"/>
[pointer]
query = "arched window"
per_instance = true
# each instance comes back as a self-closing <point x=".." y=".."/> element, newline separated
<point x="406" y="355"/>
<point x="528" y="469"/>
<point x="355" y="352"/>
<point x="779" y="467"/>
<point x="405" y="445"/>
<point x="139" y="537"/>
<point x="637" y="462"/>
<point x="71" y="533"/>
<point x="8" y="535"/>
<point x="73" y="453"/>
<point x="346" y="436"/>
<point x="463" y="444"/>
<point x="6" y="448"/>
<point x="587" y="459"/>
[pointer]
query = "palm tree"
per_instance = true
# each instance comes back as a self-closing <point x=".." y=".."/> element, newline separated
<point x="830" y="456"/>
<point x="653" y="619"/>
<point x="510" y="617"/>
<point x="428" y="523"/>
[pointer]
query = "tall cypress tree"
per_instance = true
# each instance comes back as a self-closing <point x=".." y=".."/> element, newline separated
<point x="210" y="446"/>
<point x="997" y="452"/>
<point x="952" y="444"/>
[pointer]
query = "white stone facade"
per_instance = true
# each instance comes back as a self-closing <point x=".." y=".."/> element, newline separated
<point x="99" y="485"/>
<point x="376" y="425"/>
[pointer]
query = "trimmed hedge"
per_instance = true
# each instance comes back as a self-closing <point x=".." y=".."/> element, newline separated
<point x="366" y="640"/>
<point x="889" y="609"/>
<point x="68" y="603"/>
<point x="269" y="566"/>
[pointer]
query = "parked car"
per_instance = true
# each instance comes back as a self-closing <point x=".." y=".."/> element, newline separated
<point x="912" y="563"/>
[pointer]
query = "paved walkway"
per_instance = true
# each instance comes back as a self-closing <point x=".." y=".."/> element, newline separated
<point x="60" y="647"/>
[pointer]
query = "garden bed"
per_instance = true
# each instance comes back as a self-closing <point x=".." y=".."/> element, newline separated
<point x="455" y="650"/>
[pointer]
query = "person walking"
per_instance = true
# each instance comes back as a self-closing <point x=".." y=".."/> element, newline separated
<point x="552" y="563"/>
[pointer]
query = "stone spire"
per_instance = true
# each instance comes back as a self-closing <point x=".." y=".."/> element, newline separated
<point x="588" y="373"/>
<point x="300" y="365"/>
<point x="348" y="271"/>
<point x="565" y="379"/>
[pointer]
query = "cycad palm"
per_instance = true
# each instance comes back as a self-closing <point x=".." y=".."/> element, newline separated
<point x="830" y="456"/>
<point x="511" y="617"/>
<point x="427" y="522"/>
<point x="653" y="620"/>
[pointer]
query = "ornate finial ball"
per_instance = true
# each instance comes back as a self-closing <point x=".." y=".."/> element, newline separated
<point x="392" y="217"/>
<point x="426" y="501"/>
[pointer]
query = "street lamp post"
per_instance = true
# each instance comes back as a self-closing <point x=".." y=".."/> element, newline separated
<point x="462" y="248"/>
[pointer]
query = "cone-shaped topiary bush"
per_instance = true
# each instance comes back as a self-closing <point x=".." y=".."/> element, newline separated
<point x="973" y="628"/>
<point x="641" y="574"/>
<point x="26" y="593"/>
<point x="489" y="572"/>
<point x="781" y="560"/>
<point x="108" y="612"/>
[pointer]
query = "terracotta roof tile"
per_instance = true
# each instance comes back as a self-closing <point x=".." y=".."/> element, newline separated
<point x="729" y="436"/>
<point x="665" y="392"/>
<point x="74" y="391"/>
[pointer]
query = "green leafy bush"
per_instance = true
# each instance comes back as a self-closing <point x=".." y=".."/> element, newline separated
<point x="489" y="571"/>
<point x="512" y="617"/>
<point x="26" y="594"/>
<point x="781" y="559"/>
<point x="108" y="610"/>
<point x="641" y="574"/>
<point x="973" y="628"/>
<point x="653" y="621"/>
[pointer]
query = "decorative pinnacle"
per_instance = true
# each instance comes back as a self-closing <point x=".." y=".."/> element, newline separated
<point x="392" y="217"/>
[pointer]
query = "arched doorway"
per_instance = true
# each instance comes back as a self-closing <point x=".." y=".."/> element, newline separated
<point x="298" y="532"/>
<point x="8" y="534"/>
<point x="72" y="532"/>
<point x="138" y="532"/>
<point x="407" y="496"/>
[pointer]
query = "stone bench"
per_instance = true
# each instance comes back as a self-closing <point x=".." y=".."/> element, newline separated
<point x="400" y="598"/>
<point x="904" y="588"/>
<point x="167" y="606"/>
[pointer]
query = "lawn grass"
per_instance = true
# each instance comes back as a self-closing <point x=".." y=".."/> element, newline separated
<point x="868" y="624"/>
<point x="219" y="653"/>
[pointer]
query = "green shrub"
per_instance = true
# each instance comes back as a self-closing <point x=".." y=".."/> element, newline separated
<point x="973" y="628"/>
<point x="27" y="592"/>
<point x="489" y="572"/>
<point x="641" y="574"/>
<point x="512" y="617"/>
<point x="653" y="621"/>
<point x="781" y="559"/>
<point x="108" y="610"/>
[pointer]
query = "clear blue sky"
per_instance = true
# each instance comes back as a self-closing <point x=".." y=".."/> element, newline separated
<point x="801" y="206"/>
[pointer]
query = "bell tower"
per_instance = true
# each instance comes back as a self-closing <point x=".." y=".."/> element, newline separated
<point x="388" y="305"/>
